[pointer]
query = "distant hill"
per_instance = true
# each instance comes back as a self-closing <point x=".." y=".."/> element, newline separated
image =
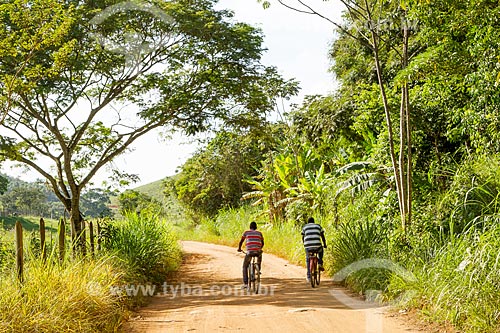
<point x="154" y="189"/>
<point x="172" y="206"/>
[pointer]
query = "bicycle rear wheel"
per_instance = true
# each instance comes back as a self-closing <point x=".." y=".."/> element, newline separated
<point x="250" y="278"/>
<point x="257" y="279"/>
<point x="319" y="276"/>
<point x="313" y="267"/>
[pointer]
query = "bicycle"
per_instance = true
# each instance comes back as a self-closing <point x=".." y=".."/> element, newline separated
<point x="253" y="274"/>
<point x="314" y="269"/>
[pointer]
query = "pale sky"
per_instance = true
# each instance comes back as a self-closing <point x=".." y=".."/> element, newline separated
<point x="297" y="45"/>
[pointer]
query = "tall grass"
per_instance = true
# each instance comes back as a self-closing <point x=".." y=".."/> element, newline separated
<point x="145" y="245"/>
<point x="80" y="295"/>
<point x="355" y="241"/>
<point x="73" y="297"/>
<point x="461" y="284"/>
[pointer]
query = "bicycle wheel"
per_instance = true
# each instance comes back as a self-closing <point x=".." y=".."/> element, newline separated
<point x="319" y="276"/>
<point x="313" y="267"/>
<point x="251" y="278"/>
<point x="257" y="278"/>
<point x="249" y="275"/>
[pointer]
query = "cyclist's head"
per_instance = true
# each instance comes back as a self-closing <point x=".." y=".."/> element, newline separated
<point x="253" y="226"/>
<point x="310" y="220"/>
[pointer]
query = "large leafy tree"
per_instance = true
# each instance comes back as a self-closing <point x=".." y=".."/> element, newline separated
<point x="132" y="201"/>
<point x="95" y="203"/>
<point x="213" y="178"/>
<point x="81" y="81"/>
<point x="25" y="198"/>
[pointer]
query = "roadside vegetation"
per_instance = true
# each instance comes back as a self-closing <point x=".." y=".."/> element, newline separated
<point x="91" y="294"/>
<point x="408" y="177"/>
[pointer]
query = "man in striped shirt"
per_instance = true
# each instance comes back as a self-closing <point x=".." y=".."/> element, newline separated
<point x="312" y="235"/>
<point x="254" y="244"/>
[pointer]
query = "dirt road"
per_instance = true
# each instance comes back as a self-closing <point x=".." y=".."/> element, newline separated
<point x="207" y="297"/>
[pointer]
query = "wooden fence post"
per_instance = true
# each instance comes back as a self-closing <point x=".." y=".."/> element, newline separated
<point x="98" y="236"/>
<point x="73" y="238"/>
<point x="84" y="236"/>
<point x="42" y="239"/>
<point x="62" y="236"/>
<point x="91" y="235"/>
<point x="19" y="251"/>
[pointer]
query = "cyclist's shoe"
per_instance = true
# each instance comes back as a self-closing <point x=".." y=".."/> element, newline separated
<point x="308" y="279"/>
<point x="245" y="286"/>
<point x="321" y="268"/>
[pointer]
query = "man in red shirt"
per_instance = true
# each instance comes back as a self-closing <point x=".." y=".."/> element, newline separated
<point x="254" y="244"/>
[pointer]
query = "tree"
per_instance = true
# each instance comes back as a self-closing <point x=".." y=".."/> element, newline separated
<point x="26" y="199"/>
<point x="82" y="81"/>
<point x="365" y="22"/>
<point x="132" y="201"/>
<point x="212" y="178"/>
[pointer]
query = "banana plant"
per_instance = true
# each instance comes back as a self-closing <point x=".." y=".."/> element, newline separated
<point x="268" y="190"/>
<point x="312" y="189"/>
<point x="359" y="181"/>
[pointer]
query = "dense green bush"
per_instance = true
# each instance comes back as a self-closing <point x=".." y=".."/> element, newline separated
<point x="145" y="244"/>
<point x="356" y="241"/>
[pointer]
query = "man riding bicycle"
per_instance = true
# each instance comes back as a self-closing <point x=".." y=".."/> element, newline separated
<point x="254" y="244"/>
<point x="312" y="235"/>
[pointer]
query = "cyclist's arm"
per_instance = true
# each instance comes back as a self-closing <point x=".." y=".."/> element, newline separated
<point x="241" y="243"/>
<point x="323" y="238"/>
<point x="262" y="242"/>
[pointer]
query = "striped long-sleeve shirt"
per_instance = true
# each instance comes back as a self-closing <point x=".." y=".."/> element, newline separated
<point x="312" y="236"/>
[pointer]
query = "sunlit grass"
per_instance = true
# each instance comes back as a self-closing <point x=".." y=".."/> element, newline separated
<point x="461" y="285"/>
<point x="71" y="297"/>
<point x="145" y="245"/>
<point x="79" y="294"/>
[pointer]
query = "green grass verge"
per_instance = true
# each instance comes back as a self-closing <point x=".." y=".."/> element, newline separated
<point x="29" y="223"/>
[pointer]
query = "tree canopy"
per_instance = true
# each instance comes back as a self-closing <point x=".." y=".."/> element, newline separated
<point x="81" y="81"/>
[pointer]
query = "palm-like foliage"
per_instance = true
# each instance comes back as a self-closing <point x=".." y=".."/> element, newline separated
<point x="288" y="177"/>
<point x="362" y="181"/>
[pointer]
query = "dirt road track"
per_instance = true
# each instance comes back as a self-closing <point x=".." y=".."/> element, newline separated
<point x="206" y="297"/>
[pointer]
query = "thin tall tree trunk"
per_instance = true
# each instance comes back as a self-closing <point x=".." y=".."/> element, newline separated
<point x="407" y="121"/>
<point x="402" y="146"/>
<point x="387" y="119"/>
<point x="409" y="165"/>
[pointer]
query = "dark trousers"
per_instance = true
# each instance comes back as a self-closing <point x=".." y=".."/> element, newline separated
<point x="320" y="259"/>
<point x="246" y="263"/>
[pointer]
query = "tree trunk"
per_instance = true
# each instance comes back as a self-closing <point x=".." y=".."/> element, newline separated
<point x="76" y="220"/>
<point x="402" y="170"/>
<point x="402" y="146"/>
<point x="389" y="124"/>
<point x="409" y="166"/>
<point x="406" y="139"/>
